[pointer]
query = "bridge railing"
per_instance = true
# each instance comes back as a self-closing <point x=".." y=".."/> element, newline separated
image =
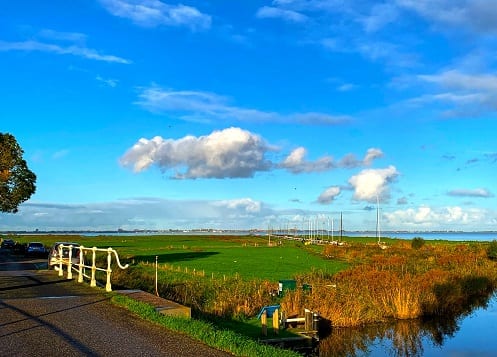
<point x="84" y="263"/>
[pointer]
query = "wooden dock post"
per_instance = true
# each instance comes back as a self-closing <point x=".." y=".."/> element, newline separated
<point x="308" y="320"/>
<point x="264" y="323"/>
<point x="276" y="322"/>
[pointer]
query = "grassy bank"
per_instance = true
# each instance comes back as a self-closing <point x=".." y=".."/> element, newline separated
<point x="222" y="339"/>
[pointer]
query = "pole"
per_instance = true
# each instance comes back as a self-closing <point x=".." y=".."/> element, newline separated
<point x="156" y="268"/>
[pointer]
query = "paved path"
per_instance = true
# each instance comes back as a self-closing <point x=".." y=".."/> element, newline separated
<point x="44" y="315"/>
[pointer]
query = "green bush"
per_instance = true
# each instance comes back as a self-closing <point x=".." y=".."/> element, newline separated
<point x="492" y="250"/>
<point x="417" y="242"/>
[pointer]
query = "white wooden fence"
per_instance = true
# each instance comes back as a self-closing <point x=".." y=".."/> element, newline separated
<point x="84" y="263"/>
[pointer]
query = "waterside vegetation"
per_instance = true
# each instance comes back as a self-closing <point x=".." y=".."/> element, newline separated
<point x="227" y="279"/>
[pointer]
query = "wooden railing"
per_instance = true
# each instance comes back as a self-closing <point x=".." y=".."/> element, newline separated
<point x="83" y="263"/>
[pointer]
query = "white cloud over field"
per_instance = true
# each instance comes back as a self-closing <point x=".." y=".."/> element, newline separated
<point x="328" y="195"/>
<point x="228" y="153"/>
<point x="372" y="183"/>
<point x="444" y="218"/>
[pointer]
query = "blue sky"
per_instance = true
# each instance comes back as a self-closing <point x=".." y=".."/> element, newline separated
<point x="147" y="114"/>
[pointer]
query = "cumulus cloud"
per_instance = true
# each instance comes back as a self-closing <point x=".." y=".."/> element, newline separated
<point x="200" y="106"/>
<point x="478" y="192"/>
<point x="328" y="195"/>
<point x="152" y="13"/>
<point x="229" y="153"/>
<point x="372" y="183"/>
<point x="452" y="217"/>
<point x="372" y="154"/>
<point x="350" y="161"/>
<point x="296" y="161"/>
<point x="246" y="205"/>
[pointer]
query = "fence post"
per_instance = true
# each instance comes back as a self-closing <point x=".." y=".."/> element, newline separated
<point x="156" y="277"/>
<point x="80" y="271"/>
<point x="69" y="264"/>
<point x="109" y="270"/>
<point x="93" y="281"/>
<point x="61" y="272"/>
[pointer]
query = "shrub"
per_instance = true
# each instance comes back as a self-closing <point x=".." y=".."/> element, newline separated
<point x="492" y="250"/>
<point x="417" y="242"/>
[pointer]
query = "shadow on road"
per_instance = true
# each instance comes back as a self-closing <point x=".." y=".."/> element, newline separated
<point x="36" y="282"/>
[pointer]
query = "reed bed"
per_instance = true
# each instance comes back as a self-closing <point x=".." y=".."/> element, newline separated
<point x="398" y="283"/>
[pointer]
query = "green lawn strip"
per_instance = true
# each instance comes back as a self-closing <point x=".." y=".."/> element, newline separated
<point x="248" y="257"/>
<point x="264" y="263"/>
<point x="205" y="332"/>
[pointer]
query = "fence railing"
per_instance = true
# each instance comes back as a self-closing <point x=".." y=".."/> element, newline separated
<point x="82" y="265"/>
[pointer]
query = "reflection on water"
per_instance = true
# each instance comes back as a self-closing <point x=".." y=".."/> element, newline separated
<point x="470" y="333"/>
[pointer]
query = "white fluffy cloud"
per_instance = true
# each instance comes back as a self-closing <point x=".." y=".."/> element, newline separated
<point x="452" y="217"/>
<point x="228" y="153"/>
<point x="296" y="161"/>
<point x="151" y="13"/>
<point x="372" y="183"/>
<point x="328" y="195"/>
<point x="246" y="205"/>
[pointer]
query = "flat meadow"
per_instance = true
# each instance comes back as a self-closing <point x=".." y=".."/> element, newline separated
<point x="248" y="257"/>
<point x="357" y="283"/>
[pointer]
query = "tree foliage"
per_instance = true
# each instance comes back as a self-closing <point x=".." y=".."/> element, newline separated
<point x="492" y="250"/>
<point x="417" y="242"/>
<point x="17" y="182"/>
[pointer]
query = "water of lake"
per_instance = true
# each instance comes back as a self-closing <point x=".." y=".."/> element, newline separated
<point x="472" y="334"/>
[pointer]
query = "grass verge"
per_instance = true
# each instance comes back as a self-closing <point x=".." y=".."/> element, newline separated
<point x="204" y="332"/>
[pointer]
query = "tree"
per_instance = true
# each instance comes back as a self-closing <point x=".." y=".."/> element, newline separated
<point x="17" y="182"/>
<point x="417" y="242"/>
<point x="492" y="250"/>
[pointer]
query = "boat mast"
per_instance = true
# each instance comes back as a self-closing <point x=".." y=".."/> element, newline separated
<point x="378" y="219"/>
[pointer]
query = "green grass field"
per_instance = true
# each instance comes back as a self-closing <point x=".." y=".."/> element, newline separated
<point x="247" y="256"/>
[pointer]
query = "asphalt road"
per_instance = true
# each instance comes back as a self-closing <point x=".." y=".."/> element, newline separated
<point x="42" y="314"/>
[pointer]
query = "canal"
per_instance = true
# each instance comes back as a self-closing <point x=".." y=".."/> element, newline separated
<point x="470" y="334"/>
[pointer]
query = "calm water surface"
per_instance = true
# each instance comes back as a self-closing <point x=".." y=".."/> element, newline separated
<point x="471" y="335"/>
